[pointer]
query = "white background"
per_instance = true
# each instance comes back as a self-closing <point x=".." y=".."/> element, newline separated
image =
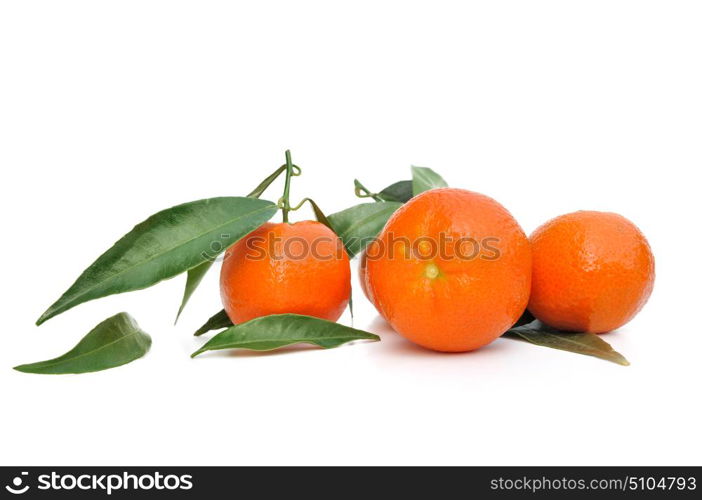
<point x="111" y="111"/>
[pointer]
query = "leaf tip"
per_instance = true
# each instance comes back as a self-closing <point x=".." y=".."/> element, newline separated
<point x="48" y="314"/>
<point x="371" y="337"/>
<point x="623" y="361"/>
<point x="26" y="368"/>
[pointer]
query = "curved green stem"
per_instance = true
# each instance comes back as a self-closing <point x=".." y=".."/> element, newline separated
<point x="299" y="205"/>
<point x="362" y="191"/>
<point x="261" y="188"/>
<point x="265" y="183"/>
<point x="317" y="212"/>
<point x="286" y="191"/>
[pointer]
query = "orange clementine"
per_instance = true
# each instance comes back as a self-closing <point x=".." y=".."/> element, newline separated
<point x="592" y="271"/>
<point x="297" y="268"/>
<point x="451" y="270"/>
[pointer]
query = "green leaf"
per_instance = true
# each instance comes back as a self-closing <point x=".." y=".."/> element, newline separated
<point x="359" y="225"/>
<point x="400" y="191"/>
<point x="424" y="179"/>
<point x="588" y="344"/>
<point x="165" y="245"/>
<point x="216" y="322"/>
<point x="114" y="342"/>
<point x="195" y="276"/>
<point x="272" y="332"/>
<point x="319" y="215"/>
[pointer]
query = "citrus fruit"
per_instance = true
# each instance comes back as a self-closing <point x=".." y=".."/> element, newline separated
<point x="280" y="268"/>
<point x="450" y="270"/>
<point x="592" y="272"/>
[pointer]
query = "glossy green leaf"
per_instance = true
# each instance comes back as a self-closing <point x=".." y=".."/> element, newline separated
<point x="400" y="191"/>
<point x="114" y="342"/>
<point x="319" y="215"/>
<point x="165" y="245"/>
<point x="196" y="274"/>
<point x="588" y="344"/>
<point x="359" y="225"/>
<point x="272" y="332"/>
<point x="193" y="280"/>
<point x="424" y="179"/>
<point x="216" y="322"/>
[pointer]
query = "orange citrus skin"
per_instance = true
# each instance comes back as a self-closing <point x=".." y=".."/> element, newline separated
<point x="363" y="276"/>
<point x="443" y="300"/>
<point x="592" y="272"/>
<point x="281" y="268"/>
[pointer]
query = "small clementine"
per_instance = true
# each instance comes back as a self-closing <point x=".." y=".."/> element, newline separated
<point x="450" y="270"/>
<point x="592" y="272"/>
<point x="280" y="268"/>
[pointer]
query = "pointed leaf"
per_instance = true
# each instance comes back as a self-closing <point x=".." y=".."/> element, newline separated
<point x="195" y="276"/>
<point x="319" y="215"/>
<point x="400" y="191"/>
<point x="359" y="225"/>
<point x="116" y="341"/>
<point x="165" y="245"/>
<point x="424" y="179"/>
<point x="272" y="332"/>
<point x="216" y="322"/>
<point x="588" y="344"/>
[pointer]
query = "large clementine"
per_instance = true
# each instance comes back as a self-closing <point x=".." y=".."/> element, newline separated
<point x="451" y="270"/>
<point x="592" y="272"/>
<point x="297" y="268"/>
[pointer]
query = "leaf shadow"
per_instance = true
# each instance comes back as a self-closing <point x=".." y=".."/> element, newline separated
<point x="290" y="349"/>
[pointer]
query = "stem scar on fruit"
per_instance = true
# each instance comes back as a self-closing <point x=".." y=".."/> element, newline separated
<point x="432" y="271"/>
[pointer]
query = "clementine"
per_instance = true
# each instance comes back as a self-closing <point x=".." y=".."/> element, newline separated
<point x="280" y="268"/>
<point x="592" y="272"/>
<point x="451" y="270"/>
